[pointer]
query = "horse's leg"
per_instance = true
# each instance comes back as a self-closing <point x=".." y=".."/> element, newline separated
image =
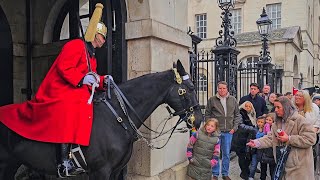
<point x="4" y="156"/>
<point x="25" y="172"/>
<point x="8" y="164"/>
<point x="101" y="174"/>
<point x="9" y="169"/>
<point x="121" y="174"/>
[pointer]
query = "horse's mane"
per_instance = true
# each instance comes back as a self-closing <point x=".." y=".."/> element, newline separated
<point x="132" y="84"/>
<point x="164" y="76"/>
<point x="136" y="90"/>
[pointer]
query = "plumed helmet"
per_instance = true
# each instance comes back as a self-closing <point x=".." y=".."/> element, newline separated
<point x="102" y="29"/>
<point x="93" y="23"/>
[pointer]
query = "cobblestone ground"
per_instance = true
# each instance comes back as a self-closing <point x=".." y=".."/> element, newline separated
<point x="235" y="171"/>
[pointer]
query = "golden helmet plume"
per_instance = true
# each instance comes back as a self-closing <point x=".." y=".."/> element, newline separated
<point x="95" y="25"/>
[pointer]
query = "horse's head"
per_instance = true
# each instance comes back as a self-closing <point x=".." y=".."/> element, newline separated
<point x="182" y="97"/>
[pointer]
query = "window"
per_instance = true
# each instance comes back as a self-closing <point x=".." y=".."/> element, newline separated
<point x="84" y="15"/>
<point x="201" y="25"/>
<point x="202" y="82"/>
<point x="236" y="20"/>
<point x="247" y="74"/>
<point x="249" y="63"/>
<point x="68" y="28"/>
<point x="274" y="13"/>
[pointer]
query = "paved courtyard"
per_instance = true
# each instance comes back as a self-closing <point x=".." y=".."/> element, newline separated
<point x="235" y="170"/>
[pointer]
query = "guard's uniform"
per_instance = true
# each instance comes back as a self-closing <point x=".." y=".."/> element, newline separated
<point x="59" y="112"/>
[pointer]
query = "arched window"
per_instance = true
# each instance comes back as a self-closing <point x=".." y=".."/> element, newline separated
<point x="249" y="62"/>
<point x="112" y="57"/>
<point x="6" y="63"/>
<point x="247" y="74"/>
<point x="67" y="25"/>
<point x="202" y="82"/>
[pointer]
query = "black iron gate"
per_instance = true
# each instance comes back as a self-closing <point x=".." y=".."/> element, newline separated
<point x="202" y="70"/>
<point x="248" y="72"/>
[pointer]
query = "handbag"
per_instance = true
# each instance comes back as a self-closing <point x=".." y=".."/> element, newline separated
<point x="282" y="153"/>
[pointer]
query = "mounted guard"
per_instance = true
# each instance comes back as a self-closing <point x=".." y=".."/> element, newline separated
<point x="61" y="110"/>
<point x="111" y="144"/>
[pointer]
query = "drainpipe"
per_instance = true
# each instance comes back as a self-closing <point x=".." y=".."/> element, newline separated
<point x="28" y="90"/>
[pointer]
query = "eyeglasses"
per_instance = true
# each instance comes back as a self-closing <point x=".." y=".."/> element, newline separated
<point x="298" y="95"/>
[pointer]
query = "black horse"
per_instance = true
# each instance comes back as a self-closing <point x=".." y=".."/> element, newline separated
<point x="313" y="90"/>
<point x="110" y="144"/>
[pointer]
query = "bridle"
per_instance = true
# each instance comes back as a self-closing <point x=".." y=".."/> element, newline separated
<point x="186" y="113"/>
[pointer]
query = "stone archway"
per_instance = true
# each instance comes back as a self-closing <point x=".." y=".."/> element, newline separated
<point x="112" y="57"/>
<point x="6" y="62"/>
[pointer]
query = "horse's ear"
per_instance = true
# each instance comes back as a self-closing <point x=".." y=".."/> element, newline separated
<point x="174" y="65"/>
<point x="180" y="68"/>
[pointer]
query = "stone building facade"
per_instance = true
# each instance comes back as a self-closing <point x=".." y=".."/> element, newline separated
<point x="294" y="41"/>
<point x="147" y="36"/>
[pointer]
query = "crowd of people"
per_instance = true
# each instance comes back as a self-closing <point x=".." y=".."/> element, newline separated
<point x="257" y="129"/>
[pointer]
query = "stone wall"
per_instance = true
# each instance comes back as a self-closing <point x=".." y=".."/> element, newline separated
<point x="156" y="36"/>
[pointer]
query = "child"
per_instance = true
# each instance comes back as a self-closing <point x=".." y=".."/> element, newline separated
<point x="265" y="156"/>
<point x="203" y="150"/>
<point x="269" y="121"/>
<point x="260" y="125"/>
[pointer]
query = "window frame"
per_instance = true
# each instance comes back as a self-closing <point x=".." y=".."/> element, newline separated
<point x="203" y="33"/>
<point x="274" y="13"/>
<point x="202" y="83"/>
<point x="236" y="25"/>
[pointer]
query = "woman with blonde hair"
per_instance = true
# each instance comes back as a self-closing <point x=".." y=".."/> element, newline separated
<point x="307" y="108"/>
<point x="245" y="132"/>
<point x="310" y="111"/>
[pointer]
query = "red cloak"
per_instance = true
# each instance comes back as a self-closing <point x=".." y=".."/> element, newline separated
<point x="59" y="112"/>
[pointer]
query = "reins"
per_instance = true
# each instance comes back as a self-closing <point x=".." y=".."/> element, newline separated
<point x="185" y="114"/>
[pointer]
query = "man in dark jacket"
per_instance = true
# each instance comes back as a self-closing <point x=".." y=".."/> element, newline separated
<point x="225" y="109"/>
<point x="258" y="102"/>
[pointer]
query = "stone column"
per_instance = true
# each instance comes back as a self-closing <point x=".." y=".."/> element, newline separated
<point x="287" y="81"/>
<point x="156" y="34"/>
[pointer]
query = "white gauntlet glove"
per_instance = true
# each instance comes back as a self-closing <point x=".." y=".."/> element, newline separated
<point x="107" y="77"/>
<point x="89" y="79"/>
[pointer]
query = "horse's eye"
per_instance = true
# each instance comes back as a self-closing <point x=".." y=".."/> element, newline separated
<point x="191" y="88"/>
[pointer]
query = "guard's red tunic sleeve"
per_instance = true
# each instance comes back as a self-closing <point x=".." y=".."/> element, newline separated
<point x="70" y="57"/>
<point x="101" y="83"/>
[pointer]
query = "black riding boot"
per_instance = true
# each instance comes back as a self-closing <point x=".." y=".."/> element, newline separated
<point x="66" y="167"/>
